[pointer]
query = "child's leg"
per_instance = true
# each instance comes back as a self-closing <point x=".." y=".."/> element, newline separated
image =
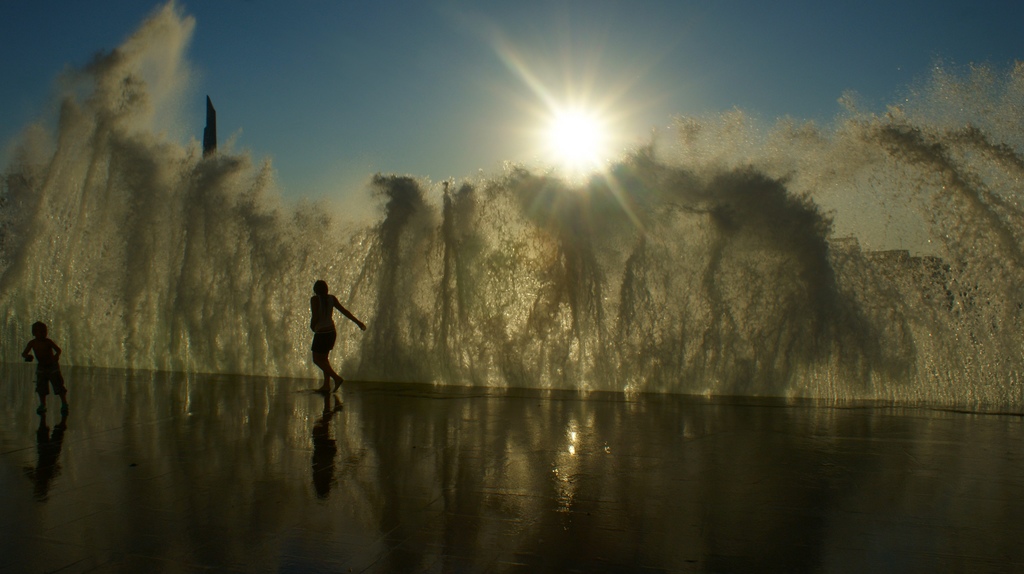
<point x="59" y="388"/>
<point x="321" y="361"/>
<point x="42" y="389"/>
<point x="330" y="373"/>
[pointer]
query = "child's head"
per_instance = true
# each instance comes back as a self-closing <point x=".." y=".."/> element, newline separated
<point x="39" y="329"/>
<point x="320" y="287"/>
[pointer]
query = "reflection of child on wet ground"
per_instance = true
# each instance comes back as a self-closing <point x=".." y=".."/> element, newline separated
<point x="48" y="370"/>
<point x="324" y="450"/>
<point x="321" y="306"/>
<point x="48" y="449"/>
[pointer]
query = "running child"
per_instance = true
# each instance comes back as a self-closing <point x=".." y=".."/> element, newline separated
<point x="48" y="370"/>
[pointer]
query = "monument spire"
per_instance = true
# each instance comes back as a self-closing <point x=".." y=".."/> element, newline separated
<point x="210" y="131"/>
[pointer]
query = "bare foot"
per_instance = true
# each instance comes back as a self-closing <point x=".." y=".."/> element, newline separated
<point x="337" y="383"/>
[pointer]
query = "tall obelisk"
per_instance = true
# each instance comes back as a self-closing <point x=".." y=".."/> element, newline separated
<point x="210" y="131"/>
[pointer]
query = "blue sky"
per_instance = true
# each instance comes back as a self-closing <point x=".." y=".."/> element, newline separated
<point x="336" y="91"/>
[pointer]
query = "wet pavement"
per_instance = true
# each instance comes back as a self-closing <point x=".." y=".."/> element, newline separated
<point x="164" y="472"/>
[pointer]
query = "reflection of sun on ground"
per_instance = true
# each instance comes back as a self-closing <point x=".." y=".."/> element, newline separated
<point x="576" y="141"/>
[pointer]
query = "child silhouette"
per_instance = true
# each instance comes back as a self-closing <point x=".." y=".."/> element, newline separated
<point x="48" y="369"/>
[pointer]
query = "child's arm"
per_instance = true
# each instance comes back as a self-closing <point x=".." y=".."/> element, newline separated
<point x="56" y="351"/>
<point x="27" y="353"/>
<point x="348" y="314"/>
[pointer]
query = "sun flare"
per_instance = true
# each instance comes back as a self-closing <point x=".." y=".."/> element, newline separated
<point x="577" y="140"/>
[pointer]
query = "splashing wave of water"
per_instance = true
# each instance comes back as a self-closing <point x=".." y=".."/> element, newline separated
<point x="724" y="258"/>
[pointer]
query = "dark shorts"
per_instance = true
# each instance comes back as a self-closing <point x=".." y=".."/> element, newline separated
<point x="324" y="342"/>
<point x="46" y="379"/>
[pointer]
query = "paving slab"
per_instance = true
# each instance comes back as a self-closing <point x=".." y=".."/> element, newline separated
<point x="172" y="472"/>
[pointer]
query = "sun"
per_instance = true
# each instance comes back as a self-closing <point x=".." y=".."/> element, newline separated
<point x="576" y="140"/>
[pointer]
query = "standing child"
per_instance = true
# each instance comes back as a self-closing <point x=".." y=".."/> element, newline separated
<point x="48" y="370"/>
<point x="321" y="306"/>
